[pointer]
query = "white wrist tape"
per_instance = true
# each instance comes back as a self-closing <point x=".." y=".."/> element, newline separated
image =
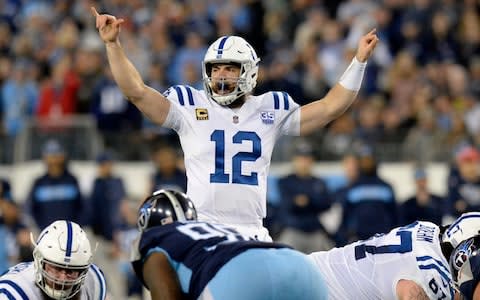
<point x="353" y="75"/>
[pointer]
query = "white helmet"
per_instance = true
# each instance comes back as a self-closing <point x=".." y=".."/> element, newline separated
<point x="465" y="227"/>
<point x="231" y="49"/>
<point x="64" y="246"/>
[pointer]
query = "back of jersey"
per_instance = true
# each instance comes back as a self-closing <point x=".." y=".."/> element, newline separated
<point x="371" y="269"/>
<point x="196" y="250"/>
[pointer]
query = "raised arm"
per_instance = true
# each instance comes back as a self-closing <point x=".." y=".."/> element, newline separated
<point x="320" y="112"/>
<point x="161" y="279"/>
<point x="152" y="103"/>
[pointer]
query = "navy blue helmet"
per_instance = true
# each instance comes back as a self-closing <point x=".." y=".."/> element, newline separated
<point x="164" y="207"/>
<point x="465" y="266"/>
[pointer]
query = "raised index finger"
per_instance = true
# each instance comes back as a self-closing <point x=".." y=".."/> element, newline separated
<point x="94" y="11"/>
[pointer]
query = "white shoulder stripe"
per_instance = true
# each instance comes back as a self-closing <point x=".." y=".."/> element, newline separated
<point x="101" y="281"/>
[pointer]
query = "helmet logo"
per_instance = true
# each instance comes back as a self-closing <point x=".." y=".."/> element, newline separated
<point x="144" y="216"/>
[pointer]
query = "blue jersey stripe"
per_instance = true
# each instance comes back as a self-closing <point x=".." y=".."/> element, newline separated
<point x="276" y="101"/>
<point x="68" y="253"/>
<point x="221" y="45"/>
<point x="424" y="258"/>
<point x="101" y="280"/>
<point x="190" y="95"/>
<point x="285" y="101"/>
<point x="17" y="288"/>
<point x="443" y="274"/>
<point x="180" y="95"/>
<point x="7" y="293"/>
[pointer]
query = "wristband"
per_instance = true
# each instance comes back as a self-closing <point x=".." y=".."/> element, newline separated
<point x="353" y="75"/>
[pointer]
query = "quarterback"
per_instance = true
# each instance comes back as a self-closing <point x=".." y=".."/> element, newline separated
<point x="227" y="134"/>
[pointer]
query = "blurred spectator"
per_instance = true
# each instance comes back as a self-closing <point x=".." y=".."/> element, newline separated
<point x="9" y="215"/>
<point x="117" y="119"/>
<point x="303" y="197"/>
<point x="167" y="174"/>
<point x="424" y="205"/>
<point x="18" y="102"/>
<point x="368" y="205"/>
<point x="56" y="194"/>
<point x="105" y="219"/>
<point x="421" y="143"/>
<point x="58" y="96"/>
<point x="464" y="185"/>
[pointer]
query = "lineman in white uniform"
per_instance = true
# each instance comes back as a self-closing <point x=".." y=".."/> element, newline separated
<point x="61" y="269"/>
<point x="416" y="254"/>
<point x="228" y="135"/>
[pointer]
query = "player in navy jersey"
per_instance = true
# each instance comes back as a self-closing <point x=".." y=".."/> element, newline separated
<point x="227" y="134"/>
<point x="177" y="257"/>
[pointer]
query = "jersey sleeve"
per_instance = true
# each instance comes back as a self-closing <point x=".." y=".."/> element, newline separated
<point x="9" y="289"/>
<point x="289" y="112"/>
<point x="435" y="278"/>
<point x="100" y="286"/>
<point x="181" y="97"/>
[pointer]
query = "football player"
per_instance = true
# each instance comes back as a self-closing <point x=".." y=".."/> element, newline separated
<point x="178" y="257"/>
<point x="417" y="261"/>
<point x="226" y="133"/>
<point x="61" y="268"/>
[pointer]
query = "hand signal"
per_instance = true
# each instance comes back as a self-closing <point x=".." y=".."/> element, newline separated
<point x="366" y="45"/>
<point x="108" y="26"/>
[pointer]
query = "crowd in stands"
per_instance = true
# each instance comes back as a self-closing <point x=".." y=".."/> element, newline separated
<point x="421" y="87"/>
<point x="420" y="101"/>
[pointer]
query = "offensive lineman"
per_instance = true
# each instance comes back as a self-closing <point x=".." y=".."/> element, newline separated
<point x="417" y="261"/>
<point x="61" y="269"/>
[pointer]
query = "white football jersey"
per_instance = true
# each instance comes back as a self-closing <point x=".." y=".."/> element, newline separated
<point x="370" y="269"/>
<point x="228" y="151"/>
<point x="19" y="283"/>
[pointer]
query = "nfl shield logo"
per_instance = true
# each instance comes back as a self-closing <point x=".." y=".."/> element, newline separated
<point x="268" y="117"/>
<point x="235" y="119"/>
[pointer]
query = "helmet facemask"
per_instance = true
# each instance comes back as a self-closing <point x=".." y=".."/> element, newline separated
<point x="231" y="50"/>
<point x="47" y="278"/>
<point x="62" y="257"/>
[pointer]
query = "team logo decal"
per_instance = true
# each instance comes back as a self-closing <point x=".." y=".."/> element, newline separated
<point x="268" y="117"/>
<point x="201" y="113"/>
<point x="144" y="216"/>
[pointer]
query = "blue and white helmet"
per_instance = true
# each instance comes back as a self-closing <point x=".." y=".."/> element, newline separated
<point x="465" y="266"/>
<point x="231" y="49"/>
<point x="465" y="227"/>
<point x="64" y="245"/>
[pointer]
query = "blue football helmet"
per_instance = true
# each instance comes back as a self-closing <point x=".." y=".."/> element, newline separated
<point x="465" y="266"/>
<point x="165" y="207"/>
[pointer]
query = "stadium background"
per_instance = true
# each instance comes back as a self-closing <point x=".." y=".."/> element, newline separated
<point x="418" y="106"/>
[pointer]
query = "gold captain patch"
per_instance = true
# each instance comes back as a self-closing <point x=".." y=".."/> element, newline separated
<point x="201" y="113"/>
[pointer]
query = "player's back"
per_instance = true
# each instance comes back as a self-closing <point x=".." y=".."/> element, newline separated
<point x="196" y="250"/>
<point x="370" y="269"/>
<point x="19" y="283"/>
<point x="228" y="151"/>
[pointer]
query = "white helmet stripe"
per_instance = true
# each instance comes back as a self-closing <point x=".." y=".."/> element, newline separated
<point x="176" y="206"/>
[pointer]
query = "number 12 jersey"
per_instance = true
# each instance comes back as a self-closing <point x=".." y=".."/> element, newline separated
<point x="228" y="151"/>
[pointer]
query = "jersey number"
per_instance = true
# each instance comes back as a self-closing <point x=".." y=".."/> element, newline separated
<point x="404" y="246"/>
<point x="218" y="137"/>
